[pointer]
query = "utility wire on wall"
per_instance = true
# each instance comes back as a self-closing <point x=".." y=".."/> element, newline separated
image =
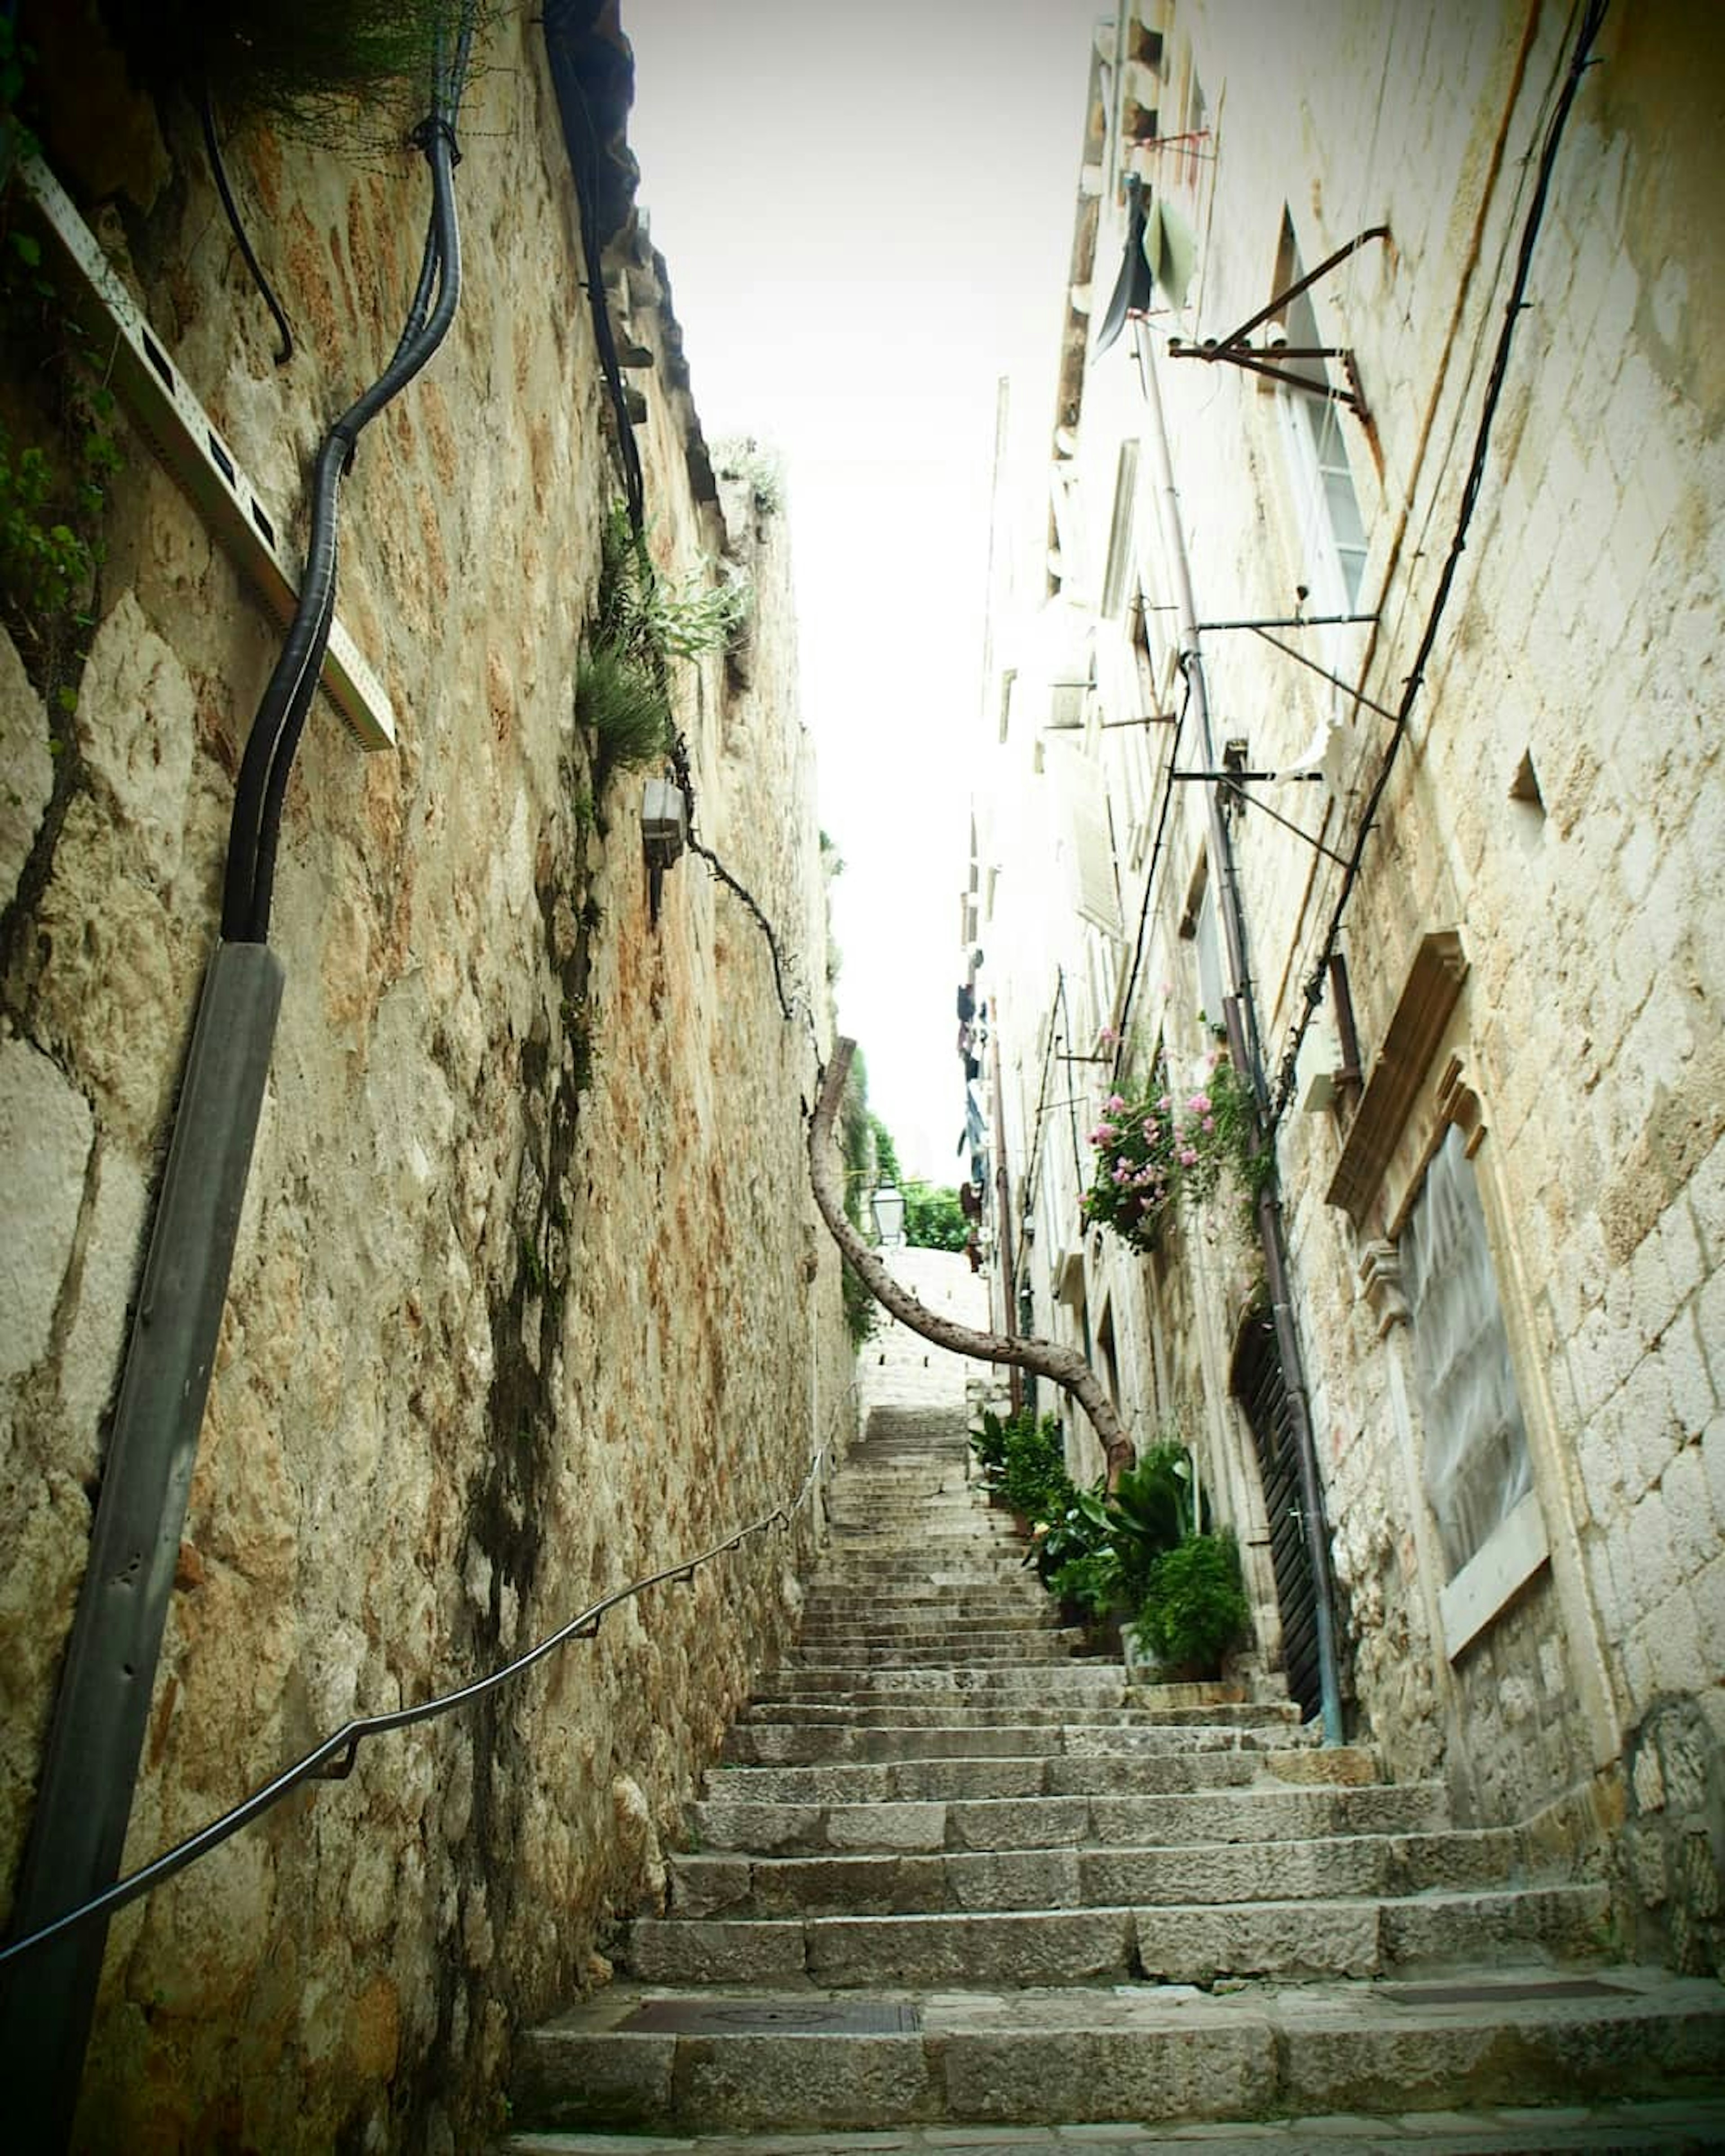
<point x="1592" y="18"/>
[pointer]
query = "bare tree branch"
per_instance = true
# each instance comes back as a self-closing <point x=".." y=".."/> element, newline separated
<point x="1047" y="1357"/>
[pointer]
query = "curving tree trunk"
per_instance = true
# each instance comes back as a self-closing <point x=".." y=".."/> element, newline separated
<point x="1046" y="1358"/>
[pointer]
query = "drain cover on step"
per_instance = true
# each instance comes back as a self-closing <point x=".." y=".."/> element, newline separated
<point x="1487" y="1994"/>
<point x="780" y="2017"/>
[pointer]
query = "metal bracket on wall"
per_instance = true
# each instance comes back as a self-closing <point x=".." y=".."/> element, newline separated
<point x="1270" y="360"/>
<point x="166" y="411"/>
<point x="1235" y="783"/>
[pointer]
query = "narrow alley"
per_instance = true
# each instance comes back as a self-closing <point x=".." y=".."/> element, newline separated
<point x="954" y="1883"/>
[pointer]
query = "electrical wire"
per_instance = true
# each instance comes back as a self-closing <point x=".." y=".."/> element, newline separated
<point x="266" y="291"/>
<point x="275" y="737"/>
<point x="1580" y="60"/>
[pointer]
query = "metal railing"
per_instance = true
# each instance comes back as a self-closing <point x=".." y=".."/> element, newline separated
<point x="333" y="1759"/>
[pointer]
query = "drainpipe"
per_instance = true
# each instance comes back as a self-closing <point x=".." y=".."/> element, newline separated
<point x="1005" y="1255"/>
<point x="1245" y="1038"/>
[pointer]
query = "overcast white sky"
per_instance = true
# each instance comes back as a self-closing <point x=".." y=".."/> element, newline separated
<point x="867" y="214"/>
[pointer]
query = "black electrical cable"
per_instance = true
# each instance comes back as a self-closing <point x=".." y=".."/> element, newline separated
<point x="1581" y="61"/>
<point x="280" y="720"/>
<point x="1167" y="795"/>
<point x="266" y="291"/>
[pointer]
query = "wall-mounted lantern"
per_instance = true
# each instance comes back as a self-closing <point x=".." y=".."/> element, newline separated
<point x="665" y="833"/>
<point x="888" y="1208"/>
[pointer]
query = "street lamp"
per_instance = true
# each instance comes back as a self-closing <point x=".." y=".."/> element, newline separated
<point x="889" y="1204"/>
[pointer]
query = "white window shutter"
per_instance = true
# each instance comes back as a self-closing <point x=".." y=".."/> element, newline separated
<point x="1084" y="796"/>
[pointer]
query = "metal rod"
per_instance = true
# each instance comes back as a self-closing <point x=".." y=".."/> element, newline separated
<point x="1263" y="808"/>
<point x="1290" y="621"/>
<point x="1225" y="777"/>
<point x="1335" y="680"/>
<point x="1255" y="363"/>
<point x="90" y="1917"/>
<point x="1279" y="303"/>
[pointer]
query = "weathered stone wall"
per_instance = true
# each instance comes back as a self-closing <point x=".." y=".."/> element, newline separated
<point x="531" y="1298"/>
<point x="1558" y="805"/>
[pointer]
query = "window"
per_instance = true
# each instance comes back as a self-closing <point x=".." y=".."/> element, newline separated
<point x="1332" y="532"/>
<point x="1116" y="575"/>
<point x="1201" y="927"/>
<point x="1476" y="1465"/>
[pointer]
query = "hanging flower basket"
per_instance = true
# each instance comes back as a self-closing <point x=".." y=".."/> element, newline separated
<point x="1152" y="1151"/>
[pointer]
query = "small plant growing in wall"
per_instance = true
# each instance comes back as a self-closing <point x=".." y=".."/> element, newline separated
<point x="625" y="709"/>
<point x="1162" y="1147"/>
<point x="58" y="440"/>
<point x="758" y="467"/>
<point x="623" y="681"/>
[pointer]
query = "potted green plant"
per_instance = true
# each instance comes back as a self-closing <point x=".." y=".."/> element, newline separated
<point x="1193" y="1608"/>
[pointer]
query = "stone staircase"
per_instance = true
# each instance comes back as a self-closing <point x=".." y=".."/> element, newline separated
<point x="954" y="1883"/>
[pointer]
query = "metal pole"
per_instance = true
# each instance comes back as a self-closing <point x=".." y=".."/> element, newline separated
<point x="1269" y="1213"/>
<point x="90" y="1769"/>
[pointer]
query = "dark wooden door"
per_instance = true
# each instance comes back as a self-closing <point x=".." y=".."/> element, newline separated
<point x="1258" y="1386"/>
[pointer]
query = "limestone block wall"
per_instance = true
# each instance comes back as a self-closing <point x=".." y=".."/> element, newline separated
<point x="1554" y="819"/>
<point x="529" y="1298"/>
<point x="1558" y="805"/>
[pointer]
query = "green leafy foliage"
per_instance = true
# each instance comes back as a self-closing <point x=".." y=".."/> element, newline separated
<point x="1023" y="1457"/>
<point x="886" y="1152"/>
<point x="44" y="562"/>
<point x="59" y="443"/>
<point x="1194" y="1607"/>
<point x="760" y="468"/>
<point x="933" y="1218"/>
<point x="341" y="73"/>
<point x="1153" y="1151"/>
<point x="651" y="620"/>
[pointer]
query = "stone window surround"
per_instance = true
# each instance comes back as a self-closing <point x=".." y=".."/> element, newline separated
<point x="1399" y="1125"/>
<point x="1399" y="1122"/>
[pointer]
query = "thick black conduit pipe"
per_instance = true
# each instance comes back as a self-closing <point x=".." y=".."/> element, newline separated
<point x="101" y="1707"/>
<point x="275" y="732"/>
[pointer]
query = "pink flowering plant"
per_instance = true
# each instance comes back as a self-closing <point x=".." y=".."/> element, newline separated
<point x="1154" y="1150"/>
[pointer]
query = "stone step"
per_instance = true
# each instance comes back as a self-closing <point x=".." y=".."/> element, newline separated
<point x="1657" y="2127"/>
<point x="917" y="1629"/>
<point x="1140" y="2053"/>
<point x="866" y="1709"/>
<point x="1199" y="1944"/>
<point x="786" y="1743"/>
<point x="847" y="1684"/>
<point x="1200" y="1874"/>
<point x="925" y="1652"/>
<point x="1072" y="1822"/>
<point x="960" y="1780"/>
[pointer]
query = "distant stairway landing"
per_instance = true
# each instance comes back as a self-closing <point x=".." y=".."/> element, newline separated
<point x="952" y="1882"/>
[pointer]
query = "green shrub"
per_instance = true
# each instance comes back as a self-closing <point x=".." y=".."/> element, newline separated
<point x="336" y="72"/>
<point x="862" y="1312"/>
<point x="1093" y="1580"/>
<point x="1194" y="1607"/>
<point x="934" y="1219"/>
<point x="1034" y="1479"/>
